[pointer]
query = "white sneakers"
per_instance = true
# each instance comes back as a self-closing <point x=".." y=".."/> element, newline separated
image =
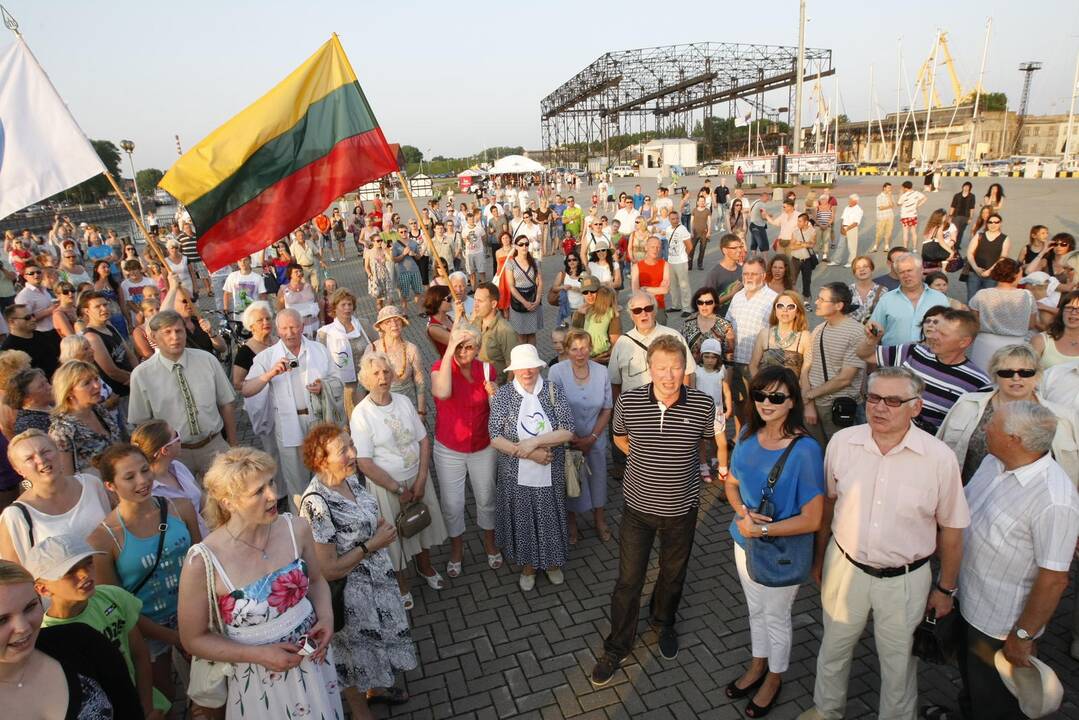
<point x="527" y="582"/>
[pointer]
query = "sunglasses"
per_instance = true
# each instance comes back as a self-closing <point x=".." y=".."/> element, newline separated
<point x="1012" y="372"/>
<point x="891" y="401"/>
<point x="465" y="348"/>
<point x="785" y="306"/>
<point x="775" y="398"/>
<point x="705" y="303"/>
<point x="175" y="439"/>
<point x="589" y="292"/>
<point x="67" y="292"/>
<point x="645" y="309"/>
<point x="521" y="244"/>
<point x="34" y="273"/>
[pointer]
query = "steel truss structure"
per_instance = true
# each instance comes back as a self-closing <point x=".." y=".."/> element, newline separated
<point x="675" y="85"/>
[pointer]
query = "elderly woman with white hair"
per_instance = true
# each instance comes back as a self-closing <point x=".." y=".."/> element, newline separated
<point x="1015" y="371"/>
<point x="346" y="339"/>
<point x="257" y="319"/>
<point x="393" y="451"/>
<point x="459" y="296"/>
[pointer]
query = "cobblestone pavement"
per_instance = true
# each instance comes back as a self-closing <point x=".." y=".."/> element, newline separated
<point x="487" y="650"/>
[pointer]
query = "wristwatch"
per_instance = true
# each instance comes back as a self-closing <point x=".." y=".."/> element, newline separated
<point x="363" y="546"/>
<point x="941" y="589"/>
<point x="400" y="489"/>
<point x="1023" y="634"/>
<point x="764" y="531"/>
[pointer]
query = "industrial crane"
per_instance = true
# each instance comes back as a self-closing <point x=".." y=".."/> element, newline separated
<point x="925" y="74"/>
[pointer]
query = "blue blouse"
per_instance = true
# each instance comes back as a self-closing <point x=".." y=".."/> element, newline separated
<point x="802" y="478"/>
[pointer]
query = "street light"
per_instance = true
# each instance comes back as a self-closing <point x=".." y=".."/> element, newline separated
<point x="129" y="147"/>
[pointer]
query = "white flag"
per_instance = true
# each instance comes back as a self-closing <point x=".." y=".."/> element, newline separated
<point x="42" y="149"/>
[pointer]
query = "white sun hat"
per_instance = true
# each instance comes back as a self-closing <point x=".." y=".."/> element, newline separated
<point x="524" y="357"/>
<point x="1037" y="688"/>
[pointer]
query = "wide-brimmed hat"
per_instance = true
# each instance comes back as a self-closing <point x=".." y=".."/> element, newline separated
<point x="589" y="283"/>
<point x="54" y="556"/>
<point x="1037" y="688"/>
<point x="390" y="311"/>
<point x="1035" y="278"/>
<point x="524" y="357"/>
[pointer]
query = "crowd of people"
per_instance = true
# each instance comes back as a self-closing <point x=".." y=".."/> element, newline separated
<point x="912" y="454"/>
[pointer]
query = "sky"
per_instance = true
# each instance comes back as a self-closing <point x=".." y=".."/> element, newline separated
<point x="453" y="78"/>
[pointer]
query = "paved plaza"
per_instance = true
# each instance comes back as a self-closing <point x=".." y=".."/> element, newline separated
<point x="487" y="650"/>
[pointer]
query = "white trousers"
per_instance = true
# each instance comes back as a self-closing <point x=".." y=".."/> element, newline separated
<point x="679" y="295"/>
<point x="848" y="595"/>
<point x="294" y="473"/>
<point x="769" y="616"/>
<point x="852" y="244"/>
<point x="452" y="467"/>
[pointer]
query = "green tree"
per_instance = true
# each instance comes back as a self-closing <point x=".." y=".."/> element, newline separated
<point x="993" y="101"/>
<point x="411" y="154"/>
<point x="146" y="180"/>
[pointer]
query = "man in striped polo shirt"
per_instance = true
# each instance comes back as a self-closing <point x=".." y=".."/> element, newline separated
<point x="660" y="427"/>
<point x="940" y="361"/>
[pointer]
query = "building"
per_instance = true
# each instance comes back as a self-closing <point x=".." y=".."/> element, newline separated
<point x="662" y="153"/>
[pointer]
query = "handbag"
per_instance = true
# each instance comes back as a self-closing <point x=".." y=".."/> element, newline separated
<point x="413" y="519"/>
<point x="554" y="296"/>
<point x="208" y="684"/>
<point x="529" y="294"/>
<point x="337" y="587"/>
<point x="844" y="409"/>
<point x="933" y="251"/>
<point x="778" y="561"/>
<point x="576" y="470"/>
<point x="955" y="263"/>
<point x="936" y="640"/>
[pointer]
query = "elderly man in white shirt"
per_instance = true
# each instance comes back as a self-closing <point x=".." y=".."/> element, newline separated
<point x="679" y="245"/>
<point x="1017" y="552"/>
<point x="849" y="222"/>
<point x="749" y="311"/>
<point x="305" y="388"/>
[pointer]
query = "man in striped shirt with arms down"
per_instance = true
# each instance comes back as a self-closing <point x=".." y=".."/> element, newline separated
<point x="660" y="427"/>
<point x="940" y="361"/>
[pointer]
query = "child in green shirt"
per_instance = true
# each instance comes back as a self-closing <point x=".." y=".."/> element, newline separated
<point x="63" y="572"/>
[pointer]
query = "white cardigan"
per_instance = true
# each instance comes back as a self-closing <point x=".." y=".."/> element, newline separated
<point x="962" y="419"/>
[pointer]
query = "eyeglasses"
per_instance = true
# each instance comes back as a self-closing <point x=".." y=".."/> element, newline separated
<point x="785" y="306"/>
<point x="645" y="309"/>
<point x="521" y="244"/>
<point x="1071" y="309"/>
<point x="66" y="292"/>
<point x="891" y="401"/>
<point x="992" y="222"/>
<point x="775" y="398"/>
<point x="1012" y="372"/>
<point x="705" y="303"/>
<point x="175" y="439"/>
<point x="463" y="348"/>
<point x="21" y="317"/>
<point x="32" y="273"/>
<point x="822" y="299"/>
<point x="588" y="292"/>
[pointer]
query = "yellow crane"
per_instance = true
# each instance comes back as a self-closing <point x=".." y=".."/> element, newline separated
<point x="925" y="74"/>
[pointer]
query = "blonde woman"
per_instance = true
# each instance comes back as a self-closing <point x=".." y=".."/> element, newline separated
<point x="786" y="339"/>
<point x="346" y="339"/>
<point x="141" y="337"/>
<point x="81" y="426"/>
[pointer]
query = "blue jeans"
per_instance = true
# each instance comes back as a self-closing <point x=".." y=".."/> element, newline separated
<point x="564" y="310"/>
<point x="976" y="282"/>
<point x="635" y="540"/>
<point x="758" y="238"/>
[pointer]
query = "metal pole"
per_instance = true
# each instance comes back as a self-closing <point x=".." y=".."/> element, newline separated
<point x="978" y="96"/>
<point x="835" y="111"/>
<point x="799" y="76"/>
<point x="898" y="94"/>
<point x="134" y="179"/>
<point x="932" y="90"/>
<point x="1071" y="117"/>
<point x="869" y="116"/>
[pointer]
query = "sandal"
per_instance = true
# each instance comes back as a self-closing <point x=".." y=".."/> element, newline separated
<point x="494" y="561"/>
<point x="453" y="569"/>
<point x="938" y="712"/>
<point x="390" y="696"/>
<point x="435" y="582"/>
<point x="407" y="601"/>
<point x="734" y="692"/>
<point x="604" y="533"/>
<point x="754" y="710"/>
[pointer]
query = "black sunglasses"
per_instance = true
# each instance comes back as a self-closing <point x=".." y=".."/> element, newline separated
<point x="588" y="292"/>
<point x="645" y="309"/>
<point x="775" y="398"/>
<point x="702" y="301"/>
<point x="1023" y="373"/>
<point x="521" y="244"/>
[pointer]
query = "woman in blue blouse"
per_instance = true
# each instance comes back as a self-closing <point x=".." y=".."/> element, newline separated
<point x="798" y="498"/>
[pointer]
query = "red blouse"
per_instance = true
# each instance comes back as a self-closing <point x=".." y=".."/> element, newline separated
<point x="461" y="419"/>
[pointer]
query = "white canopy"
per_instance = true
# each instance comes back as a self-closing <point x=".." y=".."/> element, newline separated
<point x="471" y="173"/>
<point x="515" y="164"/>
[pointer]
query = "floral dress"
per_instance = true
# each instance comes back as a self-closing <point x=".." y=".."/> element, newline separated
<point x="723" y="331"/>
<point x="71" y="436"/>
<point x="380" y="279"/>
<point x="269" y="610"/>
<point x="376" y="641"/>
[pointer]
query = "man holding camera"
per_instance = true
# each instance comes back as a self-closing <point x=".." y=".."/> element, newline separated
<point x="300" y="373"/>
<point x="188" y="389"/>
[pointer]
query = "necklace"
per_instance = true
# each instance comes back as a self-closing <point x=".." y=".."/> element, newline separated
<point x="404" y="359"/>
<point x="785" y="344"/>
<point x="253" y="547"/>
<point x="578" y="378"/>
<point x="18" y="683"/>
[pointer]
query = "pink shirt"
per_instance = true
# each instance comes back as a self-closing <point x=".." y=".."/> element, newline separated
<point x="888" y="507"/>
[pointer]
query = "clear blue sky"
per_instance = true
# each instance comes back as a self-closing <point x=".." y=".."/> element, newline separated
<point x="453" y="77"/>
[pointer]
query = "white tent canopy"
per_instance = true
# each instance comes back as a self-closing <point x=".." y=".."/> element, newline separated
<point x="514" y="165"/>
<point x="471" y="173"/>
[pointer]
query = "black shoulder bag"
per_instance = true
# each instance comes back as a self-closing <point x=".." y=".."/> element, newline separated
<point x="29" y="522"/>
<point x="529" y="293"/>
<point x="162" y="526"/>
<point x="784" y="560"/>
<point x="844" y="409"/>
<point x="337" y="587"/>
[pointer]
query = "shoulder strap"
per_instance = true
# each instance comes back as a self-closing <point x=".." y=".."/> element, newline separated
<point x="823" y="360"/>
<point x="29" y="522"/>
<point x="292" y="537"/>
<point x="637" y="342"/>
<point x="163" y="525"/>
<point x="777" y="469"/>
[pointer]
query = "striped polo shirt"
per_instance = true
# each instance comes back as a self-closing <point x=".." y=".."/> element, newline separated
<point x="943" y="383"/>
<point x="663" y="472"/>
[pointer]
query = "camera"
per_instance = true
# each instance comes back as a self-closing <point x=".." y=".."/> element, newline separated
<point x="293" y="364"/>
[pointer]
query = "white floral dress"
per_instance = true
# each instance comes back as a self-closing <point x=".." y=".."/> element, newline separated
<point x="270" y="610"/>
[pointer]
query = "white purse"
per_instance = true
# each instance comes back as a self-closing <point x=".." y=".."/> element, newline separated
<point x="208" y="686"/>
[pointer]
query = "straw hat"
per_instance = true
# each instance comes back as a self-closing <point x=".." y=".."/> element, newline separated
<point x="524" y="357"/>
<point x="387" y="312"/>
<point x="1037" y="688"/>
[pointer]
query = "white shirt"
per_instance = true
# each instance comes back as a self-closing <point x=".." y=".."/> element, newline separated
<point x="288" y="390"/>
<point x="749" y="316"/>
<point x="851" y="214"/>
<point x="628" y="366"/>
<point x="676" y="245"/>
<point x="884" y="204"/>
<point x="627" y="219"/>
<point x="908" y="204"/>
<point x="244" y="289"/>
<point x="1060" y="384"/>
<point x="1020" y="520"/>
<point x="664" y="205"/>
<point x="36" y="299"/>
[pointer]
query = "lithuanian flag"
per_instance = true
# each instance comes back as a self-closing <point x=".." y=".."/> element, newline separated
<point x="282" y="160"/>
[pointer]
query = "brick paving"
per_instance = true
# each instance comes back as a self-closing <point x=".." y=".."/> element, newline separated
<point x="487" y="650"/>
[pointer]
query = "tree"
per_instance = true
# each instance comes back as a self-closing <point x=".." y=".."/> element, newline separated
<point x="411" y="154"/>
<point x="146" y="180"/>
<point x="993" y="101"/>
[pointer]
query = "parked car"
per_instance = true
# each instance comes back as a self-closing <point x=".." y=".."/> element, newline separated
<point x="846" y="167"/>
<point x="622" y="171"/>
<point x="868" y="169"/>
<point x="708" y="170"/>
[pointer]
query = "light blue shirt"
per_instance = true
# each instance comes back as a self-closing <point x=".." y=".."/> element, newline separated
<point x="901" y="319"/>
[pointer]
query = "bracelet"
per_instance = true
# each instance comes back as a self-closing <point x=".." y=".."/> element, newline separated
<point x="594" y="436"/>
<point x="363" y="546"/>
<point x="941" y="589"/>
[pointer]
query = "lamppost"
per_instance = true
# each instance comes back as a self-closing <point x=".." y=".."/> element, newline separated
<point x="129" y="147"/>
